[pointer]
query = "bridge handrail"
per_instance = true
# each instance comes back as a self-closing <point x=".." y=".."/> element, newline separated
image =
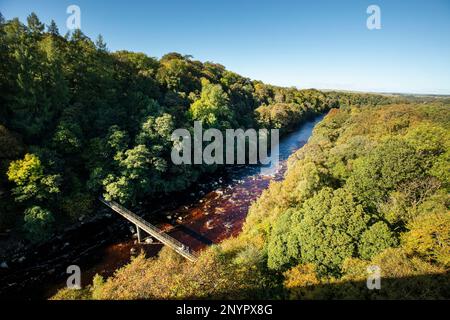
<point x="177" y="245"/>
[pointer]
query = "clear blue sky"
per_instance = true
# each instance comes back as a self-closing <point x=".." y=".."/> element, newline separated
<point x="321" y="44"/>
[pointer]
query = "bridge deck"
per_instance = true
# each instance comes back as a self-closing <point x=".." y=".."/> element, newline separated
<point x="152" y="230"/>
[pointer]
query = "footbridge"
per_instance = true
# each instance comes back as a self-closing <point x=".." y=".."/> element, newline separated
<point x="143" y="225"/>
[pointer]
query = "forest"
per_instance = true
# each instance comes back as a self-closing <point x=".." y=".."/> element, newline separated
<point x="370" y="187"/>
<point x="313" y="235"/>
<point x="78" y="121"/>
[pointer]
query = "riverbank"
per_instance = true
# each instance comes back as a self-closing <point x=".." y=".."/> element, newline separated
<point x="211" y="212"/>
<point x="314" y="234"/>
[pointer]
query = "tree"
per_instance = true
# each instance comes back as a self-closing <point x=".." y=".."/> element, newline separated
<point x="34" y="24"/>
<point x="53" y="28"/>
<point x="212" y="107"/>
<point x="300" y="282"/>
<point x="118" y="189"/>
<point x="283" y="248"/>
<point x="329" y="231"/>
<point x="178" y="74"/>
<point x="38" y="223"/>
<point x="30" y="179"/>
<point x="118" y="139"/>
<point x="68" y="137"/>
<point x="388" y="166"/>
<point x="156" y="133"/>
<point x="140" y="172"/>
<point x="429" y="237"/>
<point x="374" y="240"/>
<point x="100" y="43"/>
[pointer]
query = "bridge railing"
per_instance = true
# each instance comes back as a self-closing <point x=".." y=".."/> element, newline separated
<point x="152" y="230"/>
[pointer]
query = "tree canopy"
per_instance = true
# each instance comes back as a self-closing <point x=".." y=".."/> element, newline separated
<point x="81" y="121"/>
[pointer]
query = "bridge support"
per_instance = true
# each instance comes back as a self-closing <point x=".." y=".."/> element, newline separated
<point x="139" y="234"/>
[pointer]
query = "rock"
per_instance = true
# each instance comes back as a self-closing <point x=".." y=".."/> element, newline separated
<point x="4" y="265"/>
<point x="220" y="210"/>
<point x="208" y="224"/>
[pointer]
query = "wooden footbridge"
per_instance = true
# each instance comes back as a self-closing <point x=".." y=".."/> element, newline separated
<point x="143" y="225"/>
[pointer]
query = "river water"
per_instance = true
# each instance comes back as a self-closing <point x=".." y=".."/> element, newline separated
<point x="213" y="212"/>
<point x="218" y="215"/>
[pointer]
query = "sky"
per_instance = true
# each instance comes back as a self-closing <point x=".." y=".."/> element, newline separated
<point x="323" y="44"/>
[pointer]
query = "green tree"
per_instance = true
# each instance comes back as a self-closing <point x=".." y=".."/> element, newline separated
<point x="30" y="179"/>
<point x="100" y="43"/>
<point x="330" y="229"/>
<point x="34" y="24"/>
<point x="387" y="167"/>
<point x="212" y="107"/>
<point x="53" y="28"/>
<point x="375" y="239"/>
<point x="38" y="223"/>
<point x="283" y="247"/>
<point x="118" y="139"/>
<point x="68" y="137"/>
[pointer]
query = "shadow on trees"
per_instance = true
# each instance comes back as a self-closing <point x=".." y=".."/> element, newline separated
<point x="422" y="287"/>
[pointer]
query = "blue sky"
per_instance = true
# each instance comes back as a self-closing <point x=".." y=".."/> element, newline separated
<point x="321" y="44"/>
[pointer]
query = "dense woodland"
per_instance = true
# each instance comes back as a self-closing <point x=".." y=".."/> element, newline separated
<point x="78" y="121"/>
<point x="370" y="187"/>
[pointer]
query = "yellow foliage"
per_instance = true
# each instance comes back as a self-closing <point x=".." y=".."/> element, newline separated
<point x="429" y="236"/>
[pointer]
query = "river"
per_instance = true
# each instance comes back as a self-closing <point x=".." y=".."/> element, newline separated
<point x="109" y="243"/>
<point x="218" y="215"/>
